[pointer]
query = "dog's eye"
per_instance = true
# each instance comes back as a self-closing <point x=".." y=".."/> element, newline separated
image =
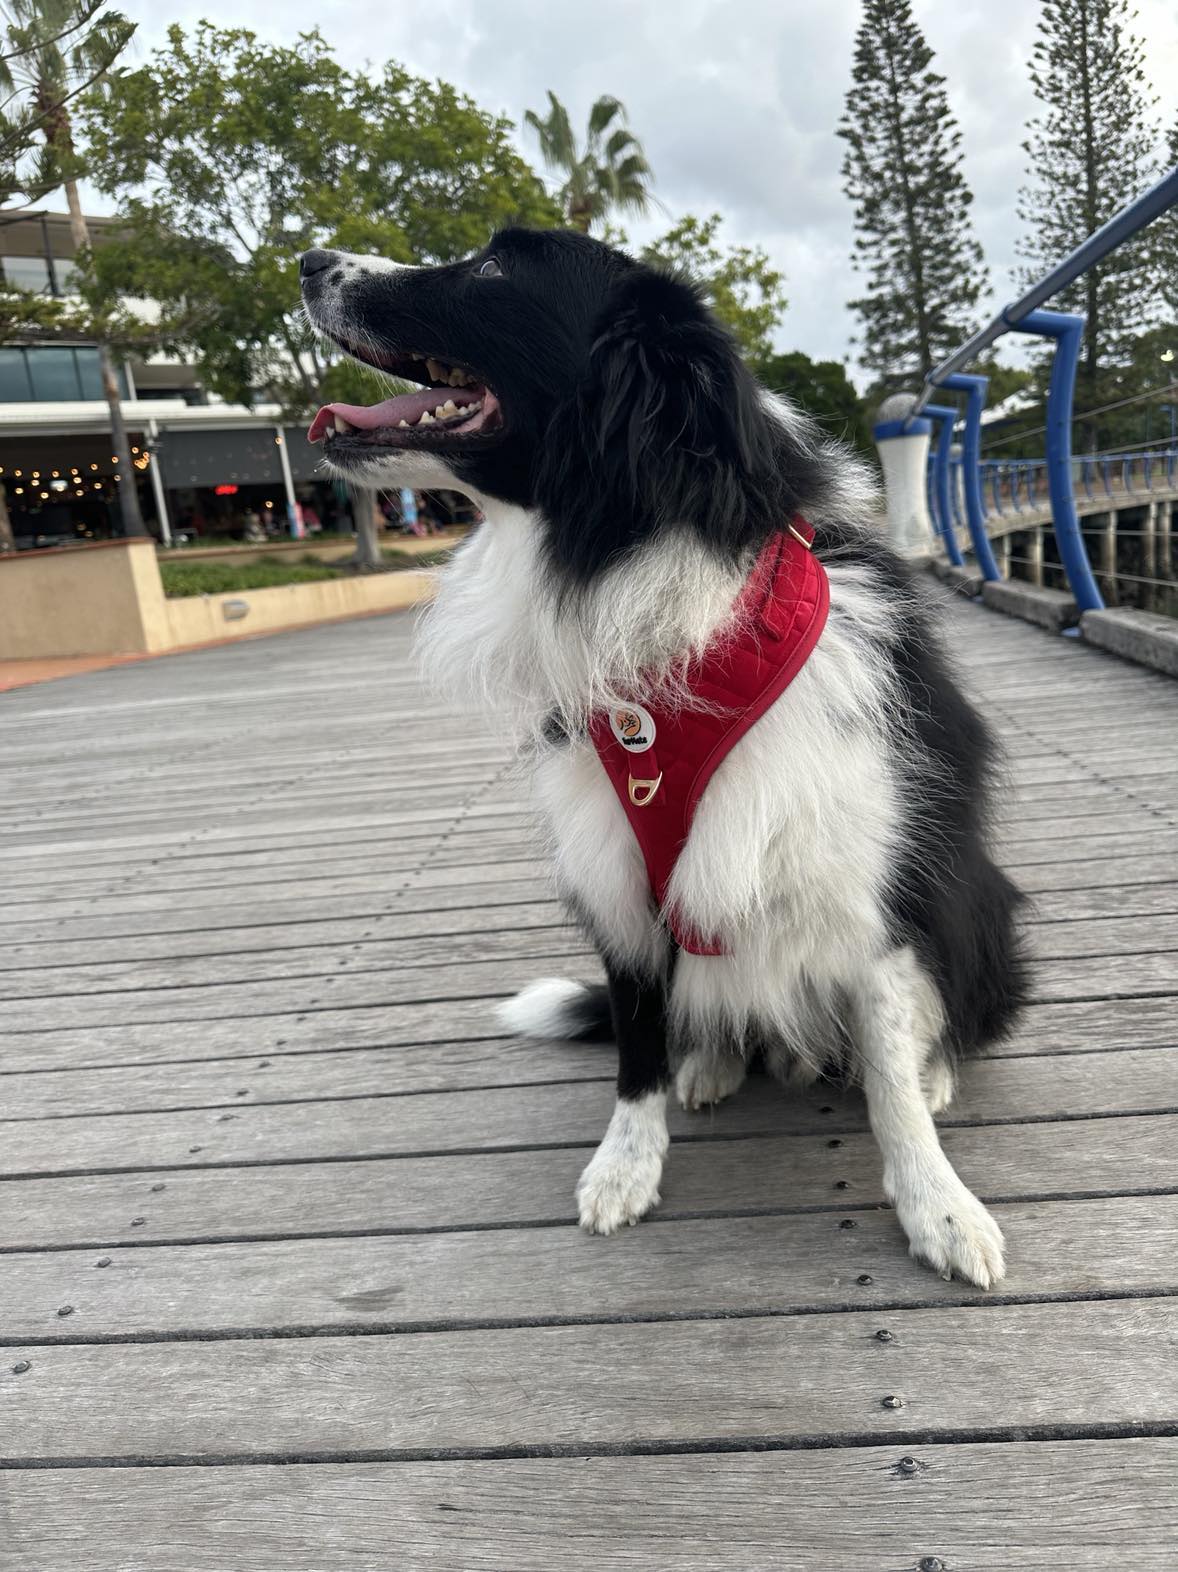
<point x="489" y="269"/>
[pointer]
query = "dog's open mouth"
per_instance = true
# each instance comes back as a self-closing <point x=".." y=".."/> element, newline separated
<point x="452" y="406"/>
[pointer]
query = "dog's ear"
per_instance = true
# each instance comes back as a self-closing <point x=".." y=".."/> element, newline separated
<point x="667" y="427"/>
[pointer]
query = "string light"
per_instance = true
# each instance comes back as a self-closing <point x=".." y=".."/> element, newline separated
<point x="16" y="472"/>
<point x="20" y="491"/>
<point x="94" y="466"/>
<point x="57" y="474"/>
<point x="114" y="458"/>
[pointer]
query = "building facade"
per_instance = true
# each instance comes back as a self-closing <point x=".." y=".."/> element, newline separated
<point x="203" y="468"/>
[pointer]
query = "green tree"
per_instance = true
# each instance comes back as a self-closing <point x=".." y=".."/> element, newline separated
<point x="743" y="287"/>
<point x="823" y="389"/>
<point x="914" y="238"/>
<point x="1166" y="238"/>
<point x="54" y="57"/>
<point x="1091" y="149"/>
<point x="229" y="156"/>
<point x="609" y="173"/>
<point x="50" y="52"/>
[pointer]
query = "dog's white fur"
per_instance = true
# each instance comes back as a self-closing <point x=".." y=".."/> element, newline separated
<point x="786" y="862"/>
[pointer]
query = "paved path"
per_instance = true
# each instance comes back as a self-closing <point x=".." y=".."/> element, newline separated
<point x="281" y="1212"/>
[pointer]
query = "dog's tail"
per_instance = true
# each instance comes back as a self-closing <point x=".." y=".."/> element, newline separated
<point x="556" y="1008"/>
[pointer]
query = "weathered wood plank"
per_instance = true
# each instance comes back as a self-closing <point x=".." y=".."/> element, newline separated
<point x="1126" y="900"/>
<point x="365" y="888"/>
<point x="766" y="1265"/>
<point x="498" y="936"/>
<point x="1160" y="844"/>
<point x="1112" y="871"/>
<point x="285" y="1077"/>
<point x="1088" y="1026"/>
<point x="278" y="911"/>
<point x="1073" y="1085"/>
<point x="779" y="1174"/>
<point x="1104" y="936"/>
<point x="1099" y="977"/>
<point x="448" y="979"/>
<point x="392" y="941"/>
<point x="1063" y="1504"/>
<point x="314" y="935"/>
<point x="189" y="858"/>
<point x="1072" y="1365"/>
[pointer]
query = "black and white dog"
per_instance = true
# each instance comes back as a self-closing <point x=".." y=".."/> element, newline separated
<point x="630" y="470"/>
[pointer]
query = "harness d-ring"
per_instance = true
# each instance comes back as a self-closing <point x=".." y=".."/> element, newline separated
<point x="642" y="792"/>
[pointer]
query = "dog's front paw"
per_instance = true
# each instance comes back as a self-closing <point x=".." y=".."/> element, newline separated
<point x="705" y="1078"/>
<point x="954" y="1234"/>
<point x="616" y="1191"/>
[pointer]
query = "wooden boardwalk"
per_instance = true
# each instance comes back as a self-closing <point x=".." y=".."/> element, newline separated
<point x="290" y="1278"/>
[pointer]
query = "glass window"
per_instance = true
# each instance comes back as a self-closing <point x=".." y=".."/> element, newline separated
<point x="14" y="377"/>
<point x="54" y="373"/>
<point x="89" y="375"/>
<point x="27" y="273"/>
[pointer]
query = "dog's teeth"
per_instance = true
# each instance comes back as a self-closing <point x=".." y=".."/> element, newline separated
<point x="458" y="379"/>
<point x="342" y="425"/>
<point x="447" y="409"/>
<point x="436" y="370"/>
<point x="402" y="423"/>
<point x="426" y="419"/>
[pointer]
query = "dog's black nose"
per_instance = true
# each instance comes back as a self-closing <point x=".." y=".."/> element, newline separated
<point x="315" y="261"/>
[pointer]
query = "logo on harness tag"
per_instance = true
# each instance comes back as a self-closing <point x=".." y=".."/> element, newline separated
<point x="633" y="727"/>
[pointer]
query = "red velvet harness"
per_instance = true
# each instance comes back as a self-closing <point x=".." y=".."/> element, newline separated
<point x="660" y="759"/>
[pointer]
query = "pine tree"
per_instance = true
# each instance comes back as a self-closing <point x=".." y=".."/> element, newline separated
<point x="902" y="170"/>
<point x="1166" y="239"/>
<point x="1092" y="150"/>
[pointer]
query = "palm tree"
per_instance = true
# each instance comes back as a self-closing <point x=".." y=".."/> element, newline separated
<point x="610" y="171"/>
<point x="52" y="51"/>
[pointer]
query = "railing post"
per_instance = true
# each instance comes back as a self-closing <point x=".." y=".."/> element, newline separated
<point x="1067" y="330"/>
<point x="971" y="466"/>
<point x="903" y="442"/>
<point x="946" y="419"/>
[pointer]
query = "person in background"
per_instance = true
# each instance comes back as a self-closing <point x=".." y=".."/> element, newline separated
<point x="254" y="530"/>
<point x="410" y="518"/>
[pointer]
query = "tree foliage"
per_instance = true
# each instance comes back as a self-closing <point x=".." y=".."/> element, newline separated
<point x="743" y="287"/>
<point x="228" y="156"/>
<point x="606" y="173"/>
<point x="914" y="238"/>
<point x="1091" y="150"/>
<point x="65" y="42"/>
<point x="823" y="389"/>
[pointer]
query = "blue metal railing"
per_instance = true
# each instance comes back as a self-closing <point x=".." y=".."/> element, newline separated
<point x="1012" y="486"/>
<point x="1057" y="470"/>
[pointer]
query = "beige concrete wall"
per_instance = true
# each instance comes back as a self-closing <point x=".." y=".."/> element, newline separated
<point x="79" y="600"/>
<point x="200" y="619"/>
<point x="108" y="599"/>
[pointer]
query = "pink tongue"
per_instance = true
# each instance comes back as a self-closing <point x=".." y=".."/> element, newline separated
<point x="390" y="411"/>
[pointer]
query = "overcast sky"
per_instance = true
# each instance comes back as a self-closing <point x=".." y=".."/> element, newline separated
<point x="736" y="104"/>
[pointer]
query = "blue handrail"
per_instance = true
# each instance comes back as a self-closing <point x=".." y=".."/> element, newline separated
<point x="1025" y="316"/>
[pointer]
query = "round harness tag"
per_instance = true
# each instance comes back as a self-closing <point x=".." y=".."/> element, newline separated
<point x="632" y="726"/>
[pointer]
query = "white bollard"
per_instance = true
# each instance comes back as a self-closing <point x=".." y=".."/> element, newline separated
<point x="903" y="452"/>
